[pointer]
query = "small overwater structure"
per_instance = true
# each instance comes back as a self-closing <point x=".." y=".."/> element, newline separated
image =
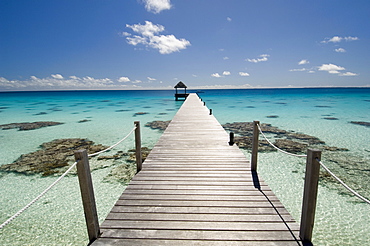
<point x="183" y="95"/>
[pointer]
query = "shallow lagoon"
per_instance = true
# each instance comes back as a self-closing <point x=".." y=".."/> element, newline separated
<point x="107" y="116"/>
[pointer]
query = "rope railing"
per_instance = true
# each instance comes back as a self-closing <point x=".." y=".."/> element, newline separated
<point x="342" y="183"/>
<point x="58" y="180"/>
<point x="37" y="198"/>
<point x="114" y="145"/>
<point x="313" y="164"/>
<point x="327" y="169"/>
<point x="283" y="151"/>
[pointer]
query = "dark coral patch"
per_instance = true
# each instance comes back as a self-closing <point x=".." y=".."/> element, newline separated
<point x="361" y="123"/>
<point x="322" y="106"/>
<point x="140" y="113"/>
<point x="25" y="126"/>
<point x="330" y="118"/>
<point x="41" y="113"/>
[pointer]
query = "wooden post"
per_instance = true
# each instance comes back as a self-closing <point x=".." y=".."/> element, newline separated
<point x="210" y="111"/>
<point x="310" y="195"/>
<point x="255" y="146"/>
<point x="87" y="194"/>
<point x="204" y="103"/>
<point x="139" y="161"/>
<point x="231" y="142"/>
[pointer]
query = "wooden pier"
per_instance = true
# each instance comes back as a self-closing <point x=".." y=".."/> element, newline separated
<point x="195" y="189"/>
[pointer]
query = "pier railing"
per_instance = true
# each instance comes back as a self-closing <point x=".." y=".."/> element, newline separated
<point x="313" y="163"/>
<point x="86" y="186"/>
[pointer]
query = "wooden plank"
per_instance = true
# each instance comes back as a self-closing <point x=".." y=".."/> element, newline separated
<point x="192" y="182"/>
<point x="171" y="242"/>
<point x="233" y="218"/>
<point x="200" y="234"/>
<point x="195" y="189"/>
<point x="192" y="197"/>
<point x="176" y="203"/>
<point x="201" y="210"/>
<point x="196" y="225"/>
<point x="200" y="192"/>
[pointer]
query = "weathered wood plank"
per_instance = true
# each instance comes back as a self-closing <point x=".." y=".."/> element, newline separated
<point x="192" y="182"/>
<point x="172" y="197"/>
<point x="232" y="218"/>
<point x="200" y="210"/>
<point x="151" y="242"/>
<point x="194" y="187"/>
<point x="200" y="234"/>
<point x="177" y="203"/>
<point x="197" y="225"/>
<point x="200" y="192"/>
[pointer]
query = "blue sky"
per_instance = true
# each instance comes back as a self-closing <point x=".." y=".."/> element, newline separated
<point x="133" y="44"/>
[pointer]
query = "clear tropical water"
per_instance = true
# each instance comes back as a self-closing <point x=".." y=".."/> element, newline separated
<point x="57" y="218"/>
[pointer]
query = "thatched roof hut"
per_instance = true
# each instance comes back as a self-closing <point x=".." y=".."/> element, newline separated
<point x="180" y="85"/>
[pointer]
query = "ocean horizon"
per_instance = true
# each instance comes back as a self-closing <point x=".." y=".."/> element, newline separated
<point x="105" y="116"/>
<point x="193" y="89"/>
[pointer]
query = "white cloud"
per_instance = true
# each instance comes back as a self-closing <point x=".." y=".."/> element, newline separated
<point x="228" y="19"/>
<point x="226" y="58"/>
<point x="348" y="74"/>
<point x="125" y="34"/>
<point x="156" y="6"/>
<point x="216" y="75"/>
<point x="337" y="39"/>
<point x="333" y="71"/>
<point x="136" y="81"/>
<point x="148" y="29"/>
<point x="303" y="62"/>
<point x="331" y="68"/>
<point x="262" y="58"/>
<point x="123" y="79"/>
<point x="223" y="86"/>
<point x="151" y="79"/>
<point x="56" y="82"/>
<point x="166" y="44"/>
<point x="340" y="50"/>
<point x="243" y="74"/>
<point x="226" y="73"/>
<point x="297" y="70"/>
<point x="57" y="76"/>
<point x="136" y="40"/>
<point x="351" y="38"/>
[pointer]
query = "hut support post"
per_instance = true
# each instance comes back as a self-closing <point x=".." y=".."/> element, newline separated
<point x="87" y="194"/>
<point x="138" y="147"/>
<point x="255" y="146"/>
<point x="310" y="195"/>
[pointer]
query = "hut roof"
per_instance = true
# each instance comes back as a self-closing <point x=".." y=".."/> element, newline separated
<point x="180" y="85"/>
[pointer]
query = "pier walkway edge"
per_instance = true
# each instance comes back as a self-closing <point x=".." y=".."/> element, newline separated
<point x="195" y="189"/>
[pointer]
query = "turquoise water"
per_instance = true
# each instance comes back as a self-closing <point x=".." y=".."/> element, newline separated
<point x="57" y="219"/>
